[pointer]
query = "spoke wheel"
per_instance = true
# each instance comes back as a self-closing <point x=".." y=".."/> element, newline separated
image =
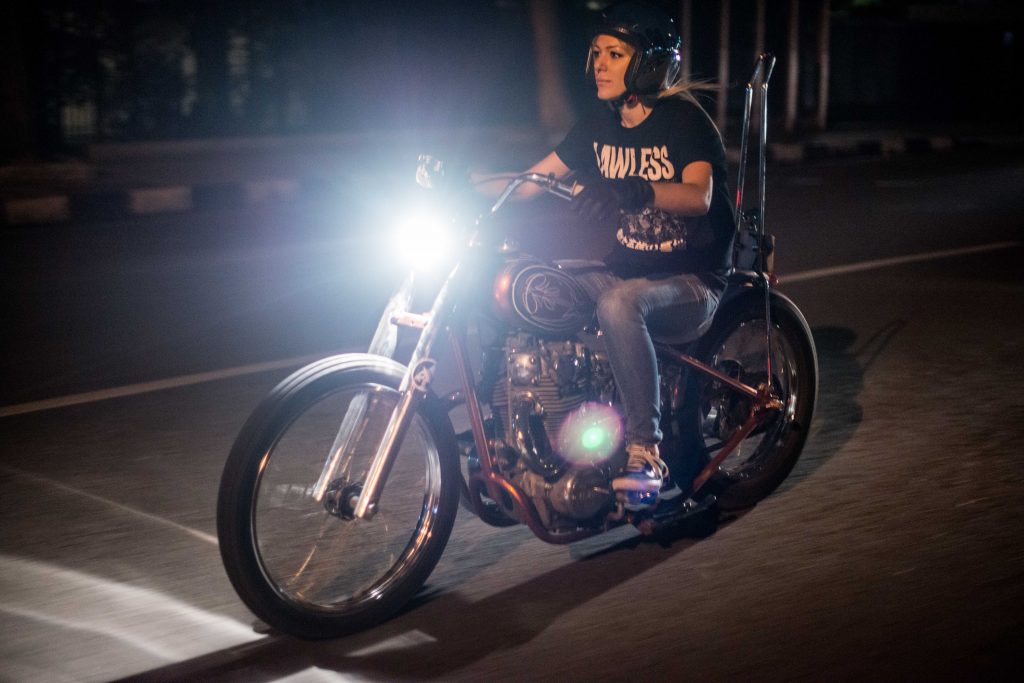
<point x="736" y="347"/>
<point x="307" y="567"/>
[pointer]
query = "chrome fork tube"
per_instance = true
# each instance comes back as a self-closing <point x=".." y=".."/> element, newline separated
<point x="412" y="391"/>
<point x="385" y="339"/>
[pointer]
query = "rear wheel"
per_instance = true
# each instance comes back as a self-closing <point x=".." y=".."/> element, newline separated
<point x="306" y="567"/>
<point x="736" y="346"/>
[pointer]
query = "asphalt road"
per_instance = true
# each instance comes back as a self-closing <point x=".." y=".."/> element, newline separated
<point x="893" y="552"/>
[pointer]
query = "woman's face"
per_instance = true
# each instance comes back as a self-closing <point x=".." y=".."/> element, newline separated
<point x="610" y="58"/>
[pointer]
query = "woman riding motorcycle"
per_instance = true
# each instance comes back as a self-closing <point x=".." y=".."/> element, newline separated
<point x="649" y="158"/>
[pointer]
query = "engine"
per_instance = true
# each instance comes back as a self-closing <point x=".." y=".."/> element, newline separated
<point x="551" y="407"/>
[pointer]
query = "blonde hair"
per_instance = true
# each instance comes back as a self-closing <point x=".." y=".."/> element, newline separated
<point x="686" y="90"/>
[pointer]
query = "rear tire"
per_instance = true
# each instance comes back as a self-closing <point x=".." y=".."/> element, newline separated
<point x="736" y="345"/>
<point x="302" y="566"/>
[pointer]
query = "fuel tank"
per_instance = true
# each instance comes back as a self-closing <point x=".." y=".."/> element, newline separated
<point x="539" y="298"/>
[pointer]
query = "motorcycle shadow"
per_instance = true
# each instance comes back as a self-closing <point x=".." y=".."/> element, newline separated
<point x="462" y="632"/>
<point x="838" y="414"/>
<point x="442" y="630"/>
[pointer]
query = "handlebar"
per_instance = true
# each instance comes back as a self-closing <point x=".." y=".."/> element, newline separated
<point x="548" y="183"/>
<point x="431" y="171"/>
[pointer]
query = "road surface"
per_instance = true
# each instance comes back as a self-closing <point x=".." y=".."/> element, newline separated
<point x="893" y="552"/>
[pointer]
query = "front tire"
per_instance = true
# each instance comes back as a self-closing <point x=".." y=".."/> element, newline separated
<point x="306" y="567"/>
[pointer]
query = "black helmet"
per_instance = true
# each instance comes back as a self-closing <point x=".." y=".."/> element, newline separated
<point x="652" y="34"/>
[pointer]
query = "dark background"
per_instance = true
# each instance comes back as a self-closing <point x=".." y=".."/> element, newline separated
<point x="127" y="70"/>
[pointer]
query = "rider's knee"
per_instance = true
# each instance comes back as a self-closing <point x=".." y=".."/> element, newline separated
<point x="618" y="306"/>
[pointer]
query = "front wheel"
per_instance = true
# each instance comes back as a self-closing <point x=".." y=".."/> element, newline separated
<point x="306" y="567"/>
<point x="736" y="345"/>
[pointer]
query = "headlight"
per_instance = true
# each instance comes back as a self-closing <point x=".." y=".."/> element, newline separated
<point x="424" y="239"/>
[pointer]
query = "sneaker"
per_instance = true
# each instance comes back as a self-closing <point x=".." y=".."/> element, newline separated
<point x="643" y="477"/>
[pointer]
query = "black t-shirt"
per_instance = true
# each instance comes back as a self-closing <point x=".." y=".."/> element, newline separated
<point x="676" y="133"/>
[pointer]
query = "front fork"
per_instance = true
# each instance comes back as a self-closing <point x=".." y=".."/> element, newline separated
<point x="384" y="343"/>
<point x="413" y="389"/>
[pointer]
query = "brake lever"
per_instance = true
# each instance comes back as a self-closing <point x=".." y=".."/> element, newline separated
<point x="563" y="190"/>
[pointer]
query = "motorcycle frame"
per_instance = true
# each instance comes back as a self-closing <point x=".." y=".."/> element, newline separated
<point x="415" y="384"/>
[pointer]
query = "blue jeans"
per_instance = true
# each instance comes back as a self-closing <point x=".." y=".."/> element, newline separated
<point x="670" y="308"/>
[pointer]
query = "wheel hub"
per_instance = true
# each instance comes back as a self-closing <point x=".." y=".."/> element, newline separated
<point x="342" y="497"/>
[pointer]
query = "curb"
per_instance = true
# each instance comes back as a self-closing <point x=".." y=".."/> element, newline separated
<point x="100" y="204"/>
<point x="148" y="201"/>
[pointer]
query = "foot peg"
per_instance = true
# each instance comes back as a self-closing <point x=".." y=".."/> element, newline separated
<point x="662" y="521"/>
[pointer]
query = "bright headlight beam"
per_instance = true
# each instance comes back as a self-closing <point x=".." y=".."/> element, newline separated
<point x="423" y="238"/>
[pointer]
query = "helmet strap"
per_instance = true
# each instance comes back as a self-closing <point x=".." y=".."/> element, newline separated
<point x="629" y="100"/>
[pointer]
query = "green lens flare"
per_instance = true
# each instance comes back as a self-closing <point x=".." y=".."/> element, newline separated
<point x="594" y="437"/>
<point x="590" y="434"/>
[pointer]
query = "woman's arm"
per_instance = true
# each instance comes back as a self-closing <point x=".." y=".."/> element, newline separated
<point x="493" y="184"/>
<point x="691" y="197"/>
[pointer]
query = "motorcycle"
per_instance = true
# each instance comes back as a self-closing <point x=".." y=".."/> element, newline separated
<point x="341" y="490"/>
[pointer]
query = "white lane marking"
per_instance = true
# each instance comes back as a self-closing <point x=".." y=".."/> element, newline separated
<point x="199" y="378"/>
<point x="145" y="624"/>
<point x="818" y="273"/>
<point x="202" y="536"/>
<point x="403" y="641"/>
<point x="158" y="385"/>
<point x="124" y="637"/>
